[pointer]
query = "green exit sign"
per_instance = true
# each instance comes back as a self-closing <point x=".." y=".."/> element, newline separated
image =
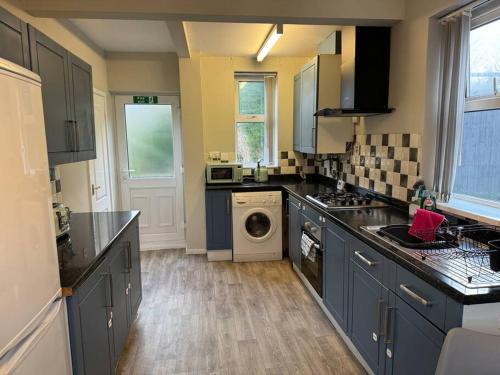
<point x="145" y="100"/>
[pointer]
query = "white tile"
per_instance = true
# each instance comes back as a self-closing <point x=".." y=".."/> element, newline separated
<point x="405" y="167"/>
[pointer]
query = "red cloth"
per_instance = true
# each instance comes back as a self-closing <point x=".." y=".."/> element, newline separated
<point x="425" y="223"/>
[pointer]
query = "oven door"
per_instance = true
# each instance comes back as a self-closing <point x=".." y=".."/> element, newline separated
<point x="312" y="265"/>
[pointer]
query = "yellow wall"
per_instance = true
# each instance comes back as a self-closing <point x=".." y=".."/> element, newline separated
<point x="74" y="177"/>
<point x="143" y="72"/>
<point x="217" y="84"/>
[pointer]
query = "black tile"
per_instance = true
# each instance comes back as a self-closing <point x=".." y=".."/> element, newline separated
<point x="310" y="162"/>
<point x="403" y="180"/>
<point x="368" y="139"/>
<point x="413" y="154"/>
<point x="284" y="154"/>
<point x="353" y="169"/>
<point x="406" y="140"/>
<point x="356" y="180"/>
<point x="291" y="162"/>
<point x="373" y="151"/>
<point x="362" y="161"/>
<point x="298" y="169"/>
<point x="388" y="190"/>
<point x="397" y="166"/>
<point x="304" y="156"/>
<point x="367" y="172"/>
<point x="378" y="163"/>
<point x="390" y="152"/>
<point x="371" y="184"/>
<point x="409" y="194"/>
<point x="52" y="174"/>
<point x="383" y="176"/>
<point x="344" y="176"/>
<point x="316" y="169"/>
<point x="385" y="139"/>
<point x="277" y="170"/>
<point x="418" y="169"/>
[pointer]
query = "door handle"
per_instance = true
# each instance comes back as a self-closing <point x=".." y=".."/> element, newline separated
<point x="387" y="322"/>
<point x="95" y="188"/>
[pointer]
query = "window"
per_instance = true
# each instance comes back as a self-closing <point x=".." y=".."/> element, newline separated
<point x="255" y="118"/>
<point x="477" y="175"/>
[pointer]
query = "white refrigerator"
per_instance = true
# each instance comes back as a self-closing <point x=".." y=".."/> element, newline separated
<point x="33" y="321"/>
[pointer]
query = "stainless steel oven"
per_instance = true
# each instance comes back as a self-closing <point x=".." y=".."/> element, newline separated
<point x="312" y="264"/>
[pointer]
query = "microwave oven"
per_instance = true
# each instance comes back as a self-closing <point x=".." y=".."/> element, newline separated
<point x="224" y="173"/>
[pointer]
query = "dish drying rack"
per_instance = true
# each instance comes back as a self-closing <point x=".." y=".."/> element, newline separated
<point x="467" y="253"/>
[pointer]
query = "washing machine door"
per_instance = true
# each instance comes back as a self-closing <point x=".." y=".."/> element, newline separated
<point x="257" y="224"/>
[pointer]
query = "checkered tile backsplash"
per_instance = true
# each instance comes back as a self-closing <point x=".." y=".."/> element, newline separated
<point x="386" y="163"/>
<point x="55" y="184"/>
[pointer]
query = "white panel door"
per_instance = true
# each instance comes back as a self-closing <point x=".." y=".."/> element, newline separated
<point x="100" y="181"/>
<point x="149" y="146"/>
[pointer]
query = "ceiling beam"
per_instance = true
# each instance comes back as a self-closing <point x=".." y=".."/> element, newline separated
<point x="330" y="12"/>
<point x="178" y="34"/>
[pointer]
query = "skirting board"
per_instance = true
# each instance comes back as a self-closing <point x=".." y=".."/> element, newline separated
<point x="196" y="251"/>
<point x="219" y="255"/>
<point x="332" y="320"/>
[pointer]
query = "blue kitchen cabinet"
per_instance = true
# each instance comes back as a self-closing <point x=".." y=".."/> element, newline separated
<point x="336" y="276"/>
<point x="367" y="298"/>
<point x="294" y="230"/>
<point x="134" y="270"/>
<point x="218" y="219"/>
<point x="413" y="343"/>
<point x="14" y="43"/>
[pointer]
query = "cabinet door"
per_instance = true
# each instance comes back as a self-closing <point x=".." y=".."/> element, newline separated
<point x="415" y="344"/>
<point x="14" y="44"/>
<point x="135" y="286"/>
<point x="218" y="216"/>
<point x="95" y="327"/>
<point x="82" y="107"/>
<point x="336" y="265"/>
<point x="367" y="299"/>
<point x="308" y="96"/>
<point x="296" y="114"/>
<point x="50" y="61"/>
<point x="118" y="269"/>
<point x="294" y="232"/>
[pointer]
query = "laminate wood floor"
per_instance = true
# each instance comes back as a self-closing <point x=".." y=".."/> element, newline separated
<point x="198" y="317"/>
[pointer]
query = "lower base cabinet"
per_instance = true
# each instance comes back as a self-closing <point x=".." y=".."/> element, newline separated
<point x="102" y="309"/>
<point x="294" y="230"/>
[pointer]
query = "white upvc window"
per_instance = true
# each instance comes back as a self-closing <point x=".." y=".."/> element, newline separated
<point x="255" y="118"/>
<point x="477" y="178"/>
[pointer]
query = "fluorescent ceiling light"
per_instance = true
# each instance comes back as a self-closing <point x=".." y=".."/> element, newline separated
<point x="272" y="38"/>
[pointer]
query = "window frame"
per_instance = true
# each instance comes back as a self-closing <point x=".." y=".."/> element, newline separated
<point x="249" y="118"/>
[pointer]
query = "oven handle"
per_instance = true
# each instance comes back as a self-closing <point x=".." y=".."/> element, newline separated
<point x="310" y="228"/>
<point x="317" y="244"/>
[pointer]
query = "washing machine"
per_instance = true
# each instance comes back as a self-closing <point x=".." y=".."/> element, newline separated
<point x="257" y="226"/>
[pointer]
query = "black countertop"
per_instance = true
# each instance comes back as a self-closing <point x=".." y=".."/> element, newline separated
<point x="352" y="220"/>
<point x="87" y="242"/>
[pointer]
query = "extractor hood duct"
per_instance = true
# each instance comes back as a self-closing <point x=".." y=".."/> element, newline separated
<point x="364" y="73"/>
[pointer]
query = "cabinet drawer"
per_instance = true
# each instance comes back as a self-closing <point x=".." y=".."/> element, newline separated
<point x="367" y="258"/>
<point x="424" y="298"/>
<point x="294" y="200"/>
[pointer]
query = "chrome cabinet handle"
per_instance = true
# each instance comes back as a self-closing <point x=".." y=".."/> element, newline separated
<point x="415" y="296"/>
<point x="365" y="260"/>
<point x="379" y="311"/>
<point x="129" y="255"/>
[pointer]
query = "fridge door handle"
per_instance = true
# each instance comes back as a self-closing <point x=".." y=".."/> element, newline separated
<point x="15" y="355"/>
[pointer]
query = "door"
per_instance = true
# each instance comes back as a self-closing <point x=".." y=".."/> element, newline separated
<point x="296" y="113"/>
<point x="100" y="180"/>
<point x="149" y="147"/>
<point x="308" y="95"/>
<point x="218" y="219"/>
<point x="50" y="61"/>
<point x="336" y="263"/>
<point x="82" y="107"/>
<point x="367" y="299"/>
<point x="408" y="330"/>
<point x="294" y="232"/>
<point x="14" y="44"/>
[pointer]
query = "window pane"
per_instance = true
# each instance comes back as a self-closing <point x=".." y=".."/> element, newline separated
<point x="251" y="97"/>
<point x="250" y="139"/>
<point x="484" y="59"/>
<point x="478" y="173"/>
<point x="149" y="140"/>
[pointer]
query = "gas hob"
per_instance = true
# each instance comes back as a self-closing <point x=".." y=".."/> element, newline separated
<point x="343" y="200"/>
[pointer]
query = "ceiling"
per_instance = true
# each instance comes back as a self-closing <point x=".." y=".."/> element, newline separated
<point x="209" y="38"/>
<point x="127" y="35"/>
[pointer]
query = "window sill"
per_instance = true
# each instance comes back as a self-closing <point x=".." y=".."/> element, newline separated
<point x="471" y="210"/>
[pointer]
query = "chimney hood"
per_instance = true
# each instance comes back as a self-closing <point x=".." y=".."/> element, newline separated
<point x="364" y="69"/>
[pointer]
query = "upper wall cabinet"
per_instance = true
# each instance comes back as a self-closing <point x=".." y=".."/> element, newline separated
<point x="14" y="44"/>
<point x="67" y="94"/>
<point x="318" y="86"/>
